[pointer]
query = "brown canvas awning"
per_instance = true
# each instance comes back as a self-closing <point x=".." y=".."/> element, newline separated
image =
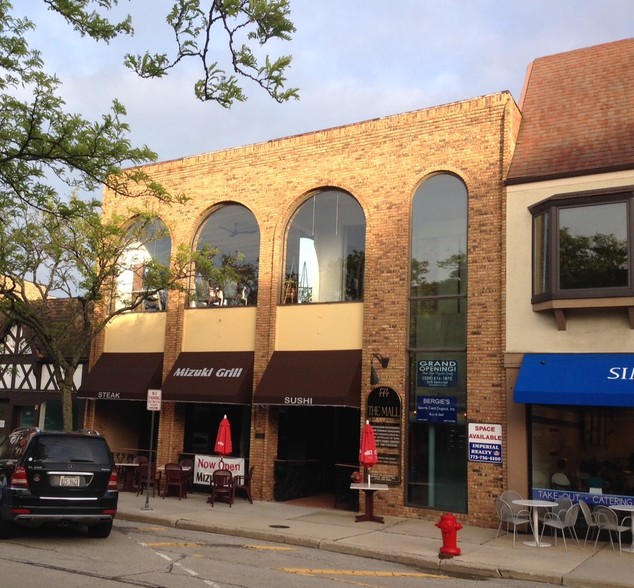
<point x="223" y="377"/>
<point x="123" y="376"/>
<point x="312" y="378"/>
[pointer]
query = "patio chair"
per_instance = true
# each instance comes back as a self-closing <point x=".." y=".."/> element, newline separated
<point x="608" y="520"/>
<point x="590" y="520"/>
<point x="143" y="478"/>
<point x="561" y="521"/>
<point x="244" y="483"/>
<point x="222" y="487"/>
<point x="188" y="463"/>
<point x="510" y="518"/>
<point x="175" y="479"/>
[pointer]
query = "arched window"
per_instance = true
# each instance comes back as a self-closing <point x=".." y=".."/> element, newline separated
<point x="232" y="236"/>
<point x="325" y="250"/>
<point x="149" y="242"/>
<point x="437" y="459"/>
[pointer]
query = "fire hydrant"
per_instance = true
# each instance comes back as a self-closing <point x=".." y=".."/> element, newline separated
<point x="449" y="527"/>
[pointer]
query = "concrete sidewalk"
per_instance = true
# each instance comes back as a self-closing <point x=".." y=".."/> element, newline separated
<point x="413" y="542"/>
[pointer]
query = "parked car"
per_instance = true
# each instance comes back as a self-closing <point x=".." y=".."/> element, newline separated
<point x="57" y="477"/>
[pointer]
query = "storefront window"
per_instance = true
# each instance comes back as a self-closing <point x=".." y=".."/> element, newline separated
<point x="325" y="250"/>
<point x="437" y="458"/>
<point x="232" y="236"/>
<point x="590" y="445"/>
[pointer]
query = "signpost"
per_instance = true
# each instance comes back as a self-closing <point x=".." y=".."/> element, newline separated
<point x="153" y="405"/>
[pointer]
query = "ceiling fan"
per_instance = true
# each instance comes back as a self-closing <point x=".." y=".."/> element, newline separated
<point x="233" y="232"/>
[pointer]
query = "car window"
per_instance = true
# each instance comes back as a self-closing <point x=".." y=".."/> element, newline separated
<point x="68" y="449"/>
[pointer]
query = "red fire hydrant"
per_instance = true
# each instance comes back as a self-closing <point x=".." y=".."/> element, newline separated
<point x="449" y="527"/>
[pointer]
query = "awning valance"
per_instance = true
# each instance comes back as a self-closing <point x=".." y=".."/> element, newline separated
<point x="123" y="376"/>
<point x="585" y="379"/>
<point x="223" y="377"/>
<point x="312" y="378"/>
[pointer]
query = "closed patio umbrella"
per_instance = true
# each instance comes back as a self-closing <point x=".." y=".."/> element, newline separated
<point x="367" y="453"/>
<point x="223" y="438"/>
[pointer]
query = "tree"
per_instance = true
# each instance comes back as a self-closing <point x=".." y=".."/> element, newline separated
<point x="53" y="243"/>
<point x="81" y="257"/>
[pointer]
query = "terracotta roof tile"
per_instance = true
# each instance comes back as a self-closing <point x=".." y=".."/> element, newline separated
<point x="577" y="114"/>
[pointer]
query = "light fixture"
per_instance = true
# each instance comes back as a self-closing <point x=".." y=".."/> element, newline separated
<point x="384" y="361"/>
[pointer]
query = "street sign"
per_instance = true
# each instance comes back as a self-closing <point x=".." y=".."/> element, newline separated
<point x="154" y="399"/>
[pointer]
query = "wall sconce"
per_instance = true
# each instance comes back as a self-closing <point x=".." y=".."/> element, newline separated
<point x="384" y="361"/>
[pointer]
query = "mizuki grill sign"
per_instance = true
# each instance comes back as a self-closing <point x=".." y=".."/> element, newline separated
<point x="187" y="372"/>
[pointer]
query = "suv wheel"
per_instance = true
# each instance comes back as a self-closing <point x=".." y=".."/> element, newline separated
<point x="100" y="530"/>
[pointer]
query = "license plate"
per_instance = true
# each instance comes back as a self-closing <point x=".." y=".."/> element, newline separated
<point x="69" y="481"/>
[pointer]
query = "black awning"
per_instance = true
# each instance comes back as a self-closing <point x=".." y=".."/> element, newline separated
<point x="223" y="377"/>
<point x="312" y="378"/>
<point x="123" y="376"/>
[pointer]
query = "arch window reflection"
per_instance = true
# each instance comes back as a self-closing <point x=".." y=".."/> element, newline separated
<point x="150" y="246"/>
<point x="232" y="235"/>
<point x="325" y="250"/>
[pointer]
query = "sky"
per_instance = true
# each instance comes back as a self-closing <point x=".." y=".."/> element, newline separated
<point x="353" y="60"/>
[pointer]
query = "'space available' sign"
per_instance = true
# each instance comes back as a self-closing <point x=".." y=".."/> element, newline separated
<point x="485" y="442"/>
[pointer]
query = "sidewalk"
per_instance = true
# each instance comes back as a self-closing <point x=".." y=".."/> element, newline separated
<point x="408" y="541"/>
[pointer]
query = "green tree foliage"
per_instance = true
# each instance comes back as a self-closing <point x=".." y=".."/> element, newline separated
<point x="53" y="241"/>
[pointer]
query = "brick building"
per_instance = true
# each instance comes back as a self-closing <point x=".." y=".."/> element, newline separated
<point x="320" y="327"/>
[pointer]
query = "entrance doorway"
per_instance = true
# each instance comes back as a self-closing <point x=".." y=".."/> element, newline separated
<point x="316" y="447"/>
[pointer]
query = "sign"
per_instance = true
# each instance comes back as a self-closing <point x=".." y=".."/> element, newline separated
<point x="205" y="465"/>
<point x="436" y="409"/>
<point x="154" y="399"/>
<point x="485" y="443"/>
<point x="384" y="402"/>
<point x="437" y="373"/>
<point x="590" y="499"/>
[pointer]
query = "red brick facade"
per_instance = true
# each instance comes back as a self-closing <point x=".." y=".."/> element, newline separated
<point x="381" y="163"/>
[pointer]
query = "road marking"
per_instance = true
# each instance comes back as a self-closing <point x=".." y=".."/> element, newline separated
<point x="363" y="573"/>
<point x="172" y="544"/>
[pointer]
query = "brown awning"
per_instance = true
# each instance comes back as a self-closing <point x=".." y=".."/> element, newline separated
<point x="223" y="377"/>
<point x="123" y="376"/>
<point x="312" y="378"/>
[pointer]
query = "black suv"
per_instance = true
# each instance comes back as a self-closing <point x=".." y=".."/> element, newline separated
<point x="57" y="477"/>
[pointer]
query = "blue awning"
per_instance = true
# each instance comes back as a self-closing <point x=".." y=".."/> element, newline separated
<point x="584" y="379"/>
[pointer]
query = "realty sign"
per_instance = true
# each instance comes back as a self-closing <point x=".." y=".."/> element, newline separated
<point x="485" y="443"/>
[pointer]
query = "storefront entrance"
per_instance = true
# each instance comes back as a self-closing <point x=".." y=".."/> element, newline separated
<point x="318" y="448"/>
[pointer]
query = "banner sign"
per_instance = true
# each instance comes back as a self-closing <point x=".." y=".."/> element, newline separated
<point x="590" y="499"/>
<point x="205" y="465"/>
<point x="437" y="373"/>
<point x="436" y="409"/>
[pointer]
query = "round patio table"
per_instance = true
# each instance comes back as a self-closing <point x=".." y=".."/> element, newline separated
<point x="533" y="505"/>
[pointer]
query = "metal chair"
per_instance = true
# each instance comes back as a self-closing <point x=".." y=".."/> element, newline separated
<point x="590" y="520"/>
<point x="608" y="520"/>
<point x="188" y="463"/>
<point x="244" y="483"/>
<point x="175" y="478"/>
<point x="561" y="521"/>
<point x="510" y="518"/>
<point x="222" y="487"/>
<point x="144" y="478"/>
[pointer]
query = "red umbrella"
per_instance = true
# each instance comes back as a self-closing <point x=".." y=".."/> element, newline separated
<point x="367" y="454"/>
<point x="223" y="438"/>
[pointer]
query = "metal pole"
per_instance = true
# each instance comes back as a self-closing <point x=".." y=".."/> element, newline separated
<point x="150" y="477"/>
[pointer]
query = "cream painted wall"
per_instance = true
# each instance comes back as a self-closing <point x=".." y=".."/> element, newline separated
<point x="312" y="327"/>
<point x="529" y="331"/>
<point x="136" y="332"/>
<point x="219" y="329"/>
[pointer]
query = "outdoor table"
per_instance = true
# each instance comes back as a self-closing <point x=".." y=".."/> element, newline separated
<point x="627" y="508"/>
<point x="369" y="490"/>
<point x="533" y="505"/>
<point x="126" y="471"/>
